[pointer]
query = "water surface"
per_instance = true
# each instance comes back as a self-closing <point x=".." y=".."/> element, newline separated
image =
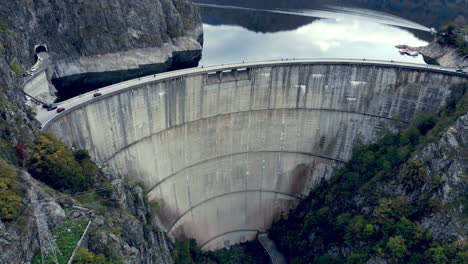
<point x="323" y="38"/>
<point x="238" y="30"/>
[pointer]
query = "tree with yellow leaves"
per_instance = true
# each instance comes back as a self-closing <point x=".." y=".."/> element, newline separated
<point x="9" y="198"/>
<point x="53" y="163"/>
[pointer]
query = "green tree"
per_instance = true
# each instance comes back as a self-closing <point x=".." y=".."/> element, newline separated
<point x="355" y="229"/>
<point x="392" y="209"/>
<point x="357" y="257"/>
<point x="437" y="255"/>
<point x="9" y="198"/>
<point x="397" y="247"/>
<point x="181" y="252"/>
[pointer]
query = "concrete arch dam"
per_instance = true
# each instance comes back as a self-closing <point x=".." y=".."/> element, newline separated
<point x="225" y="150"/>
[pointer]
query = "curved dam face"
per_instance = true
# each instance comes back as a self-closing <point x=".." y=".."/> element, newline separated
<point x="225" y="151"/>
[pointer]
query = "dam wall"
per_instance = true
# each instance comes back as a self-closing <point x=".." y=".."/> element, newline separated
<point x="38" y="86"/>
<point x="226" y="151"/>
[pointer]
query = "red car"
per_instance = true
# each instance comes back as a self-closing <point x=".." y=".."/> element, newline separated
<point x="97" y="94"/>
<point x="61" y="109"/>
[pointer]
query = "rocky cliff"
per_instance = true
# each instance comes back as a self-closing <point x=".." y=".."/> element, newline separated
<point x="122" y="226"/>
<point x="17" y="123"/>
<point x="444" y="55"/>
<point x="399" y="200"/>
<point x="447" y="161"/>
<point x="83" y="37"/>
<point x="122" y="38"/>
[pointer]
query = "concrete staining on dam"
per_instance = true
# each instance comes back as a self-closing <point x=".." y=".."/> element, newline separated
<point x="224" y="153"/>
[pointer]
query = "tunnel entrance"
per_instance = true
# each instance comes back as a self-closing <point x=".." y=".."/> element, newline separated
<point x="41" y="48"/>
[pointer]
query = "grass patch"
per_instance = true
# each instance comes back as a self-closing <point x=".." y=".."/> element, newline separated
<point x="67" y="236"/>
<point x="47" y="188"/>
<point x="90" y="31"/>
<point x="3" y="25"/>
<point x="91" y="200"/>
<point x="16" y="68"/>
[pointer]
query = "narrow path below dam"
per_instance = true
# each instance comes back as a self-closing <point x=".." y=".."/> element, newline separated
<point x="275" y="256"/>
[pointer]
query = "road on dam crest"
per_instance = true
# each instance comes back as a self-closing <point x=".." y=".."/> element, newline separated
<point x="225" y="150"/>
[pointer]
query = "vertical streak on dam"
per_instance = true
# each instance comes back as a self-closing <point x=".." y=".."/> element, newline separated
<point x="225" y="153"/>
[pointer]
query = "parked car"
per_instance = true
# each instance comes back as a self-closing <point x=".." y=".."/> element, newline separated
<point x="51" y="107"/>
<point x="97" y="94"/>
<point x="61" y="109"/>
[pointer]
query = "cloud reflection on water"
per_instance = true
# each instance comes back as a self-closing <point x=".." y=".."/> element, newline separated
<point x="323" y="38"/>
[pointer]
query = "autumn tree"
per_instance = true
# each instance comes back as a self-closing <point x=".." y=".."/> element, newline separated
<point x="53" y="163"/>
<point x="9" y="198"/>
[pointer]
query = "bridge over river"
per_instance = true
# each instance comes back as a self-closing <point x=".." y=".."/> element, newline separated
<point x="225" y="150"/>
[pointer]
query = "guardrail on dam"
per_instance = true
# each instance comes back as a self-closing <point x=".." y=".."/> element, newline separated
<point x="225" y="150"/>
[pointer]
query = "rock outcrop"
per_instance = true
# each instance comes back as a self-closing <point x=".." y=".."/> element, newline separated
<point x="444" y="186"/>
<point x="19" y="240"/>
<point x="124" y="227"/>
<point x="444" y="55"/>
<point x="447" y="160"/>
<point x="435" y="53"/>
<point x="122" y="38"/>
<point x="130" y="232"/>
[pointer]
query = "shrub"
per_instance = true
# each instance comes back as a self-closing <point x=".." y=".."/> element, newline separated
<point x="81" y="154"/>
<point x="423" y="122"/>
<point x="397" y="247"/>
<point x="181" y="252"/>
<point x="84" y="256"/>
<point x="9" y="198"/>
<point x="3" y="25"/>
<point x="16" y="68"/>
<point x="413" y="177"/>
<point x="435" y="205"/>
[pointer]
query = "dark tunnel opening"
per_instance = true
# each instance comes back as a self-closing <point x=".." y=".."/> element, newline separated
<point x="40" y="48"/>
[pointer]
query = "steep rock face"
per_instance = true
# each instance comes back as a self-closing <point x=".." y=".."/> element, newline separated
<point x="130" y="231"/>
<point x="124" y="229"/>
<point x="448" y="159"/>
<point x="106" y="36"/>
<point x="445" y="56"/>
<point x="444" y="186"/>
<point x="17" y="121"/>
